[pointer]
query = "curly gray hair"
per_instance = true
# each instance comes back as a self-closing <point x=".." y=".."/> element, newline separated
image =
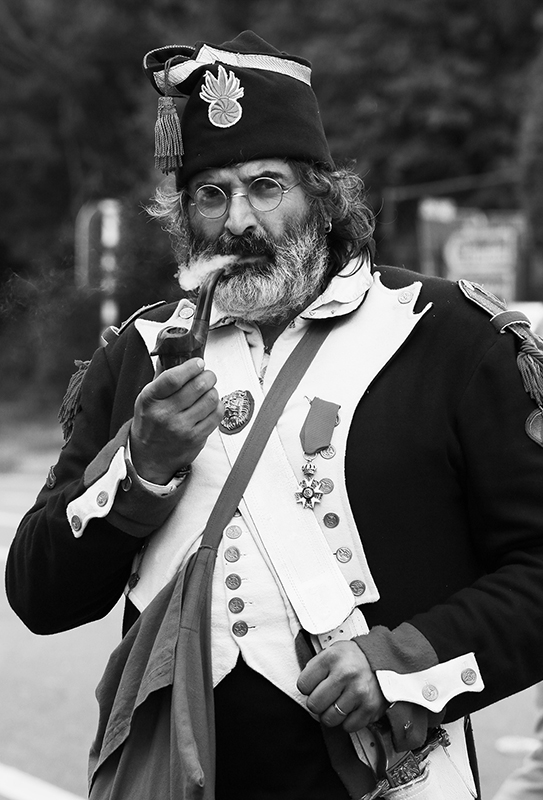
<point x="337" y="195"/>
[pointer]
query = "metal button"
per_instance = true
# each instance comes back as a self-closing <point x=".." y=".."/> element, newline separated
<point x="51" y="479"/>
<point x="429" y="692"/>
<point x="102" y="499"/>
<point x="126" y="484"/>
<point x="331" y="520"/>
<point x="343" y="554"/>
<point x="405" y="297"/>
<point x="76" y="523"/>
<point x="233" y="531"/>
<point x="233" y="581"/>
<point x="326" y="485"/>
<point x="357" y="588"/>
<point x="328" y="452"/>
<point x="236" y="605"/>
<point x="469" y="676"/>
<point x="240" y="628"/>
<point x="186" y="312"/>
<point x="232" y="554"/>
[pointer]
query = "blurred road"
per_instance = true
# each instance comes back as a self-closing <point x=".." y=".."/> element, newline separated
<point x="47" y="684"/>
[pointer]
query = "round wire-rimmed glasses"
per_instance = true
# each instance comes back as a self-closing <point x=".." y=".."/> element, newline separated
<point x="263" y="194"/>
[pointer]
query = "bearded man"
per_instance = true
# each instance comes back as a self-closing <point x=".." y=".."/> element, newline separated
<point x="381" y="576"/>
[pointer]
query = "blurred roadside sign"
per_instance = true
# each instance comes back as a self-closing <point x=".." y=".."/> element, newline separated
<point x="485" y="254"/>
<point x="484" y="247"/>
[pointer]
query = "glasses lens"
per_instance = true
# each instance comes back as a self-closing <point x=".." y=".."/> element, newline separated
<point x="265" y="194"/>
<point x="211" y="201"/>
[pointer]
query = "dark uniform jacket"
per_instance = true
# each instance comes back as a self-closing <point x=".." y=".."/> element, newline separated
<point x="445" y="485"/>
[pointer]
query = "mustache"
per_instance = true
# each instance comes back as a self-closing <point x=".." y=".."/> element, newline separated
<point x="246" y="244"/>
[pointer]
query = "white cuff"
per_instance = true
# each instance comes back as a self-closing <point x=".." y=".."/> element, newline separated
<point x="433" y="687"/>
<point x="156" y="488"/>
<point x="98" y="499"/>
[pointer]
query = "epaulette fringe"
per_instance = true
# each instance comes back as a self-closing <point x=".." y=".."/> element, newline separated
<point x="530" y="354"/>
<point x="70" y="404"/>
<point x="530" y="364"/>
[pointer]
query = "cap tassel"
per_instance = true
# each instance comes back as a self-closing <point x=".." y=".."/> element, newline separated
<point x="168" y="140"/>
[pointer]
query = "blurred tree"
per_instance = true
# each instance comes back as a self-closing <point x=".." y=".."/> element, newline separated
<point x="531" y="163"/>
<point x="415" y="92"/>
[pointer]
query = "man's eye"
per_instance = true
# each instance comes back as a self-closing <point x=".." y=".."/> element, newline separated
<point x="208" y="194"/>
<point x="265" y="187"/>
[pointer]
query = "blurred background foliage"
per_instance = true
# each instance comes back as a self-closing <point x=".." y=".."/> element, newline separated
<point x="415" y="92"/>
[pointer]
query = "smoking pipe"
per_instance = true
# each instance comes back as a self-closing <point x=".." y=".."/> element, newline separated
<point x="175" y="345"/>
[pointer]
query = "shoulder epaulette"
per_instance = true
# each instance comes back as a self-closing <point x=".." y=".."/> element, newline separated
<point x="530" y="354"/>
<point x="111" y="333"/>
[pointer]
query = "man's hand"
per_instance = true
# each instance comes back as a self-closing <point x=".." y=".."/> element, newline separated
<point x="173" y="417"/>
<point x="341" y="674"/>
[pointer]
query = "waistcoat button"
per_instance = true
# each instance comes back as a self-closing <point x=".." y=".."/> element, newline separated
<point x="232" y="554"/>
<point x="240" y="628"/>
<point x="236" y="605"/>
<point x="233" y="581"/>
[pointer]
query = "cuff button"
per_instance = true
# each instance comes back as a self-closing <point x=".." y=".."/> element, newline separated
<point x="76" y="523"/>
<point x="102" y="499"/>
<point x="429" y="692"/>
<point x="469" y="676"/>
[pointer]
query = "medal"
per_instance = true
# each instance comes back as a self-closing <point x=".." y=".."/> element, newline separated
<point x="238" y="411"/>
<point x="316" y="437"/>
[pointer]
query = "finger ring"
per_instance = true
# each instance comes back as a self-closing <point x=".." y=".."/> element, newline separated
<point x="339" y="711"/>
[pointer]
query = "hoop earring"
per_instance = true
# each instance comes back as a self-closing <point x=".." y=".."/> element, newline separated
<point x="328" y="227"/>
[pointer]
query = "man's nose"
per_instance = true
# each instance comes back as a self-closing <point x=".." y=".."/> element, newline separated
<point x="240" y="217"/>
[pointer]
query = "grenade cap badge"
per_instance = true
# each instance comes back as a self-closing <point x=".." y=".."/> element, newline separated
<point x="222" y="93"/>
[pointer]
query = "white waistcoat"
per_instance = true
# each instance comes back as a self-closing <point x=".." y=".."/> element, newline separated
<point x="280" y="565"/>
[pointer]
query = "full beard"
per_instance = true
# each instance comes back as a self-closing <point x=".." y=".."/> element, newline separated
<point x="275" y="279"/>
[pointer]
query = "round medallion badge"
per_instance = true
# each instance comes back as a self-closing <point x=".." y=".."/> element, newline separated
<point x="238" y="411"/>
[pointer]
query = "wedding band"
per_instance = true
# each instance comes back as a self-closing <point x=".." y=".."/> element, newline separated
<point x="339" y="711"/>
